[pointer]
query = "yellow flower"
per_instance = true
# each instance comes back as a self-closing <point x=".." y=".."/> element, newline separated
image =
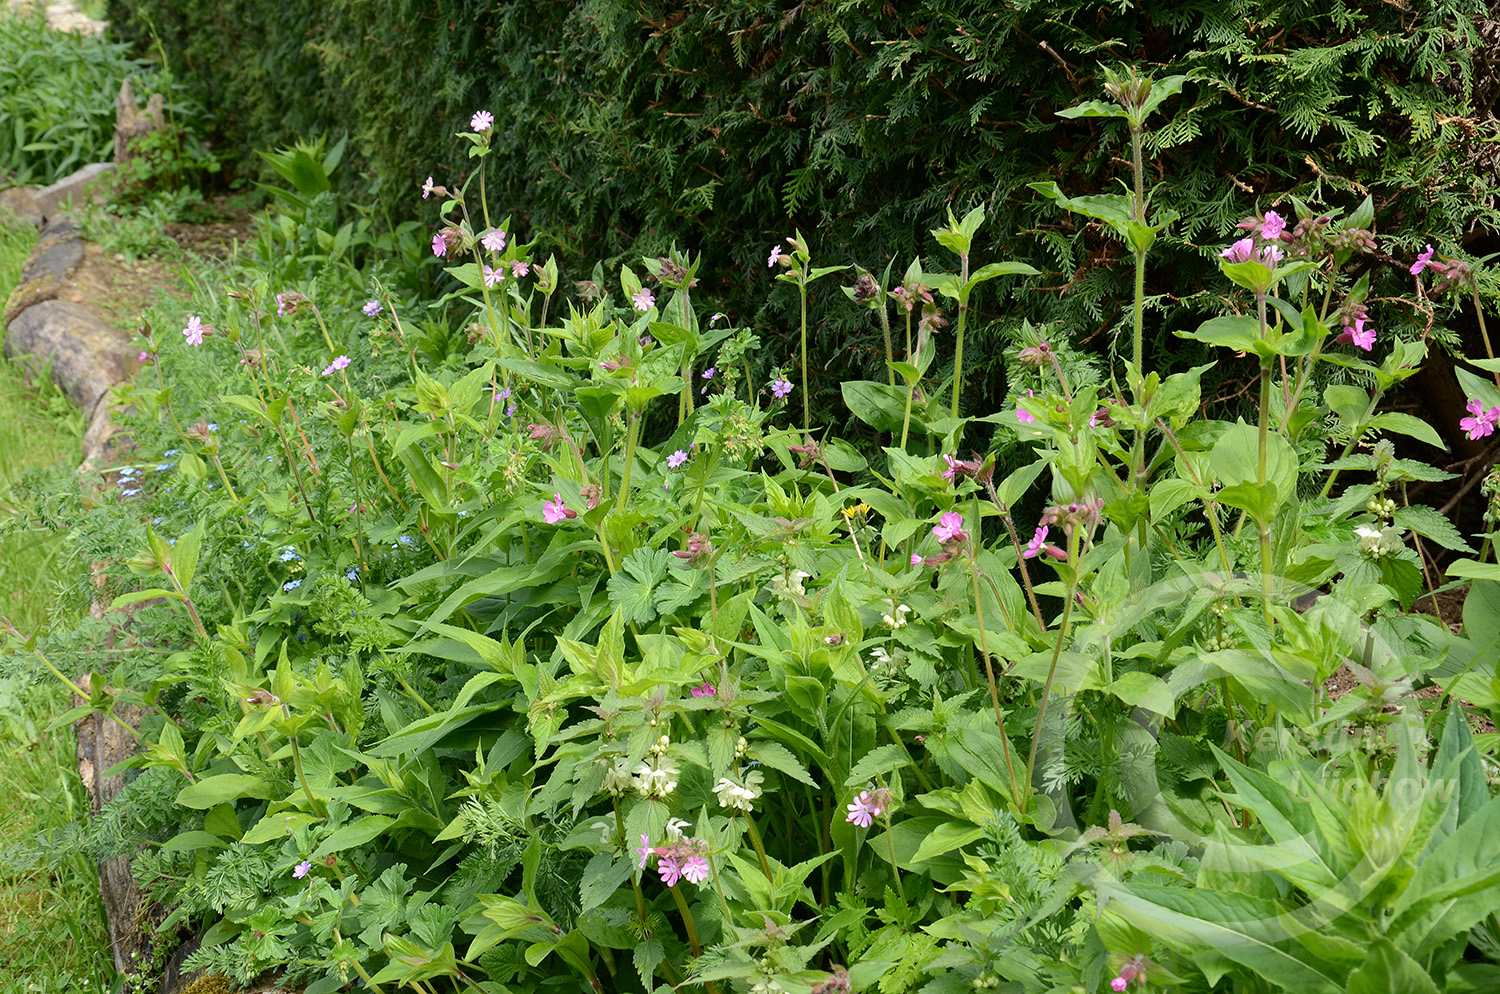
<point x="856" y="510"/>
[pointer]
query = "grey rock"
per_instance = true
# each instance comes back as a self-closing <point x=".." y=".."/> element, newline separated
<point x="56" y="261"/>
<point x="70" y="188"/>
<point x="87" y="355"/>
<point x="20" y="201"/>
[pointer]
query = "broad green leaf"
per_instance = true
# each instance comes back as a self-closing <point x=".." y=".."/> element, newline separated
<point x="225" y="787"/>
<point x="948" y="836"/>
<point x="356" y="833"/>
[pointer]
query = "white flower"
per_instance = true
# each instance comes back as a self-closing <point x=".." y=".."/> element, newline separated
<point x="732" y="795"/>
<point x="899" y="621"/>
<point x="790" y="584"/>
<point x="880" y="656"/>
<point x="617" y="778"/>
<point x="657" y="778"/>
<point x="606" y="831"/>
<point x="1378" y="542"/>
<point x="674" y="829"/>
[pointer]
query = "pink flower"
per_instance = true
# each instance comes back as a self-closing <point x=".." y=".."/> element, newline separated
<point x="194" y="331"/>
<point x="1240" y="251"/>
<point x="492" y="277"/>
<point x="643" y="300"/>
<point x="864" y="809"/>
<point x="707" y="690"/>
<point x="494" y="241"/>
<point x="1360" y="335"/>
<point x="554" y="511"/>
<point x="1423" y="261"/>
<point x="950" y="528"/>
<point x="775" y="254"/>
<point x="695" y="869"/>
<point x="439" y="245"/>
<point x="519" y="268"/>
<point x="676" y="459"/>
<point x="1272" y="227"/>
<point x="1119" y="984"/>
<point x="1038" y="540"/>
<point x="342" y="362"/>
<point x="670" y="870"/>
<point x="427" y="188"/>
<point x="948" y="473"/>
<point x="1482" y="423"/>
<point x="645" y="849"/>
<point x="372" y="308"/>
<point x="482" y="121"/>
<point x="144" y="357"/>
<point x="303" y="868"/>
<point x="1024" y="416"/>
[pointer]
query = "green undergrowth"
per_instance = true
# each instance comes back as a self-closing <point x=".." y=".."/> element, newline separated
<point x="52" y="934"/>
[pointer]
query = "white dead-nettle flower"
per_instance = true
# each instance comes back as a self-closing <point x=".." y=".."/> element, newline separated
<point x="1377" y="543"/>
<point x="880" y="656"/>
<point x="789" y="584"/>
<point x="898" y="620"/>
<point x="617" y="778"/>
<point x="606" y="831"/>
<point x="658" y="778"/>
<point x="674" y="829"/>
<point x="733" y="795"/>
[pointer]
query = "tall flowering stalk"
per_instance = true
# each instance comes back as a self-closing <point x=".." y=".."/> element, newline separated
<point x="800" y="272"/>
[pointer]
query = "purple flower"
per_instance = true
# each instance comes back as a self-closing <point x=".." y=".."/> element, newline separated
<point x="950" y="528"/>
<point x="1423" y="261"/>
<point x="427" y="188"/>
<point x="1482" y="423"/>
<point x="372" y="308"/>
<point x="194" y="331"/>
<point x="643" y="300"/>
<point x="1272" y="227"/>
<point x="510" y="411"/>
<point x="708" y="373"/>
<point x="707" y="690"/>
<point x="494" y="241"/>
<point x="863" y="810"/>
<point x="342" y="362"/>
<point x="676" y="459"/>
<point x="775" y="254"/>
<point x="439" y="245"/>
<point x="554" y="511"/>
<point x="144" y="357"/>
<point x="695" y="869"/>
<point x="482" y="121"/>
<point x="302" y="870"/>
<point x="781" y="388"/>
<point x="504" y="393"/>
<point x="493" y="277"/>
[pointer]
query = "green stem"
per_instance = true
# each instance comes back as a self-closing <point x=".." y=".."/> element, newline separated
<point x="760" y="849"/>
<point x="630" y="440"/>
<point x="317" y="808"/>
<point x="984" y="647"/>
<point x="958" y="348"/>
<point x="688" y="924"/>
<point x="806" y="405"/>
<point x="1062" y="631"/>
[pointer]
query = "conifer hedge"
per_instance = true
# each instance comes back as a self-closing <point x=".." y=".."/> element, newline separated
<point x="722" y="125"/>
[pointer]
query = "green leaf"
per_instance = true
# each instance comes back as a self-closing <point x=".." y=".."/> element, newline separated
<point x="878" y="762"/>
<point x="225" y="787"/>
<point x="185" y="554"/>
<point x="631" y="588"/>
<point x="1231" y="332"/>
<point x="879" y="405"/>
<point x="779" y="758"/>
<point x="1406" y="424"/>
<point x="1428" y="523"/>
<point x="948" y="836"/>
<point x="356" y="833"/>
<point x="1388" y="970"/>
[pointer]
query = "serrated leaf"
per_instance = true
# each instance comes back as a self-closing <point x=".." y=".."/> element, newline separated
<point x="1428" y="523"/>
<point x="780" y="758"/>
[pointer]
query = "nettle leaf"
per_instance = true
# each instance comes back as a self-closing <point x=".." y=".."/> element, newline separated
<point x="1428" y="523"/>
<point x="880" y="761"/>
<point x="631" y="588"/>
<point x="779" y="758"/>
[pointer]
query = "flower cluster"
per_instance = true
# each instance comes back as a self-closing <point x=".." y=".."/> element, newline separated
<point x="867" y="806"/>
<point x="682" y="858"/>
<point x="739" y="796"/>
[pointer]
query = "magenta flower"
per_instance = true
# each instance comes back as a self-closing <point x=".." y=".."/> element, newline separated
<point x="1240" y="251"/>
<point x="519" y="268"/>
<point x="1482" y="423"/>
<point x="482" y="121"/>
<point x="1022" y="415"/>
<point x="194" y="331"/>
<point x="916" y="560"/>
<point x="439" y="245"/>
<point x="781" y="388"/>
<point x="1423" y="261"/>
<point x="1360" y="335"/>
<point x="1119" y="984"/>
<point x="302" y="870"/>
<point x="670" y="870"/>
<point x="676" y="459"/>
<point x="775" y="254"/>
<point x="695" y="869"/>
<point x="427" y="188"/>
<point x="144" y="357"/>
<point x="645" y="850"/>
<point x="643" y="300"/>
<point x="492" y="277"/>
<point x="494" y="241"/>
<point x="372" y="308"/>
<point x="707" y="690"/>
<point x="1272" y="227"/>
<point x="950" y="528"/>
<point x="1038" y="540"/>
<point x="948" y="474"/>
<point x="554" y="511"/>
<point x="863" y="810"/>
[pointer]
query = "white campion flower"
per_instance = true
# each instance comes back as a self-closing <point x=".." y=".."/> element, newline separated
<point x="733" y="795"/>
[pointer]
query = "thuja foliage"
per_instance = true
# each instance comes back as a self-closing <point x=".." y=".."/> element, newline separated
<point x="626" y="127"/>
<point x="457" y="673"/>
